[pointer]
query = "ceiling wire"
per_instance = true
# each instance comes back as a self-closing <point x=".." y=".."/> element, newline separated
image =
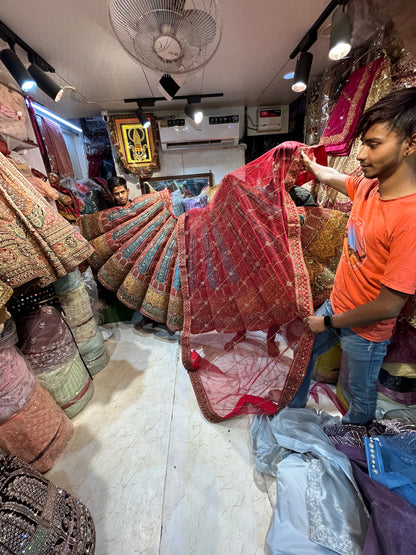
<point x="279" y="71"/>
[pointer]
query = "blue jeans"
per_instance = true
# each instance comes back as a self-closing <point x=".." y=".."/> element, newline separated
<point x="364" y="359"/>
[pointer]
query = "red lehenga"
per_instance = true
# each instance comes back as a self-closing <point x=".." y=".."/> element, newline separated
<point x="241" y="269"/>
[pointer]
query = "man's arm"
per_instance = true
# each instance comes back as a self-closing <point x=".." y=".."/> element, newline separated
<point x="325" y="175"/>
<point x="387" y="304"/>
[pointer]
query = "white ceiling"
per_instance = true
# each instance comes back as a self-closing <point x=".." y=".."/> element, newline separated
<point x="76" y="38"/>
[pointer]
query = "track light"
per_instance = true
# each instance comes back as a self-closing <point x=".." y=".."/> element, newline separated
<point x="303" y="68"/>
<point x="17" y="70"/>
<point x="341" y="31"/>
<point x="45" y="83"/>
<point x="193" y="112"/>
<point x="144" y="120"/>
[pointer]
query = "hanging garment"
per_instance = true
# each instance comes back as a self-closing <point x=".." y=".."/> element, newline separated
<point x="37" y="517"/>
<point x="339" y="132"/>
<point x="36" y="244"/>
<point x="14" y="120"/>
<point x="58" y="154"/>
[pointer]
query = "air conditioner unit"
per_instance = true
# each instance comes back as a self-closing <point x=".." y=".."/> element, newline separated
<point x="215" y="131"/>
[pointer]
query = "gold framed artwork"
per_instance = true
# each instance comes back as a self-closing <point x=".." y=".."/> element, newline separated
<point x="137" y="148"/>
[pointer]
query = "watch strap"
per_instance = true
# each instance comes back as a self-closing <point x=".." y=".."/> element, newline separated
<point x="328" y="321"/>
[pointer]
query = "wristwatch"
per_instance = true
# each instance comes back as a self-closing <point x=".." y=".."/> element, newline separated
<point x="328" y="321"/>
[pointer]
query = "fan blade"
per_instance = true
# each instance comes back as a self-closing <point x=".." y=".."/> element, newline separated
<point x="198" y="27"/>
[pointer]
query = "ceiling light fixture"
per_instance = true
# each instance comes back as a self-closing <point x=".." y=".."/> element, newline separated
<point x="302" y="71"/>
<point x="45" y="83"/>
<point x="341" y="31"/>
<point x="17" y="70"/>
<point x="43" y="111"/>
<point x="144" y="120"/>
<point x="192" y="111"/>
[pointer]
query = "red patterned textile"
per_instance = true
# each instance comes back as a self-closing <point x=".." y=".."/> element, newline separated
<point x="243" y="272"/>
<point x="58" y="154"/>
<point x="135" y="251"/>
<point x="234" y="275"/>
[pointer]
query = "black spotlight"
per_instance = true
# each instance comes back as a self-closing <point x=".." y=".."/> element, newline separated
<point x="144" y="120"/>
<point x="169" y="86"/>
<point x="45" y="83"/>
<point x="17" y="70"/>
<point x="193" y="112"/>
<point x="303" y="68"/>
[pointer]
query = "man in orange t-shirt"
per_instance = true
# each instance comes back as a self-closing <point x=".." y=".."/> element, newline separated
<point x="377" y="270"/>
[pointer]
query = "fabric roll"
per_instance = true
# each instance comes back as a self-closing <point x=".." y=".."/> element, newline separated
<point x="39" y="518"/>
<point x="404" y="369"/>
<point x="45" y="339"/>
<point x="17" y="382"/>
<point x="38" y="433"/>
<point x="94" y="352"/>
<point x="69" y="384"/>
<point x="70" y="281"/>
<point x="77" y="306"/>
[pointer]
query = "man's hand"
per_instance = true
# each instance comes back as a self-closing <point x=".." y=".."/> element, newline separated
<point x="314" y="324"/>
<point x="307" y="162"/>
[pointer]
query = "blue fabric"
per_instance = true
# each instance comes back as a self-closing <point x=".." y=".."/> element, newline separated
<point x="391" y="461"/>
<point x="364" y="359"/>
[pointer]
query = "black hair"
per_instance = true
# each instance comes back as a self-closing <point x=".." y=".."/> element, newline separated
<point x="114" y="182"/>
<point x="397" y="109"/>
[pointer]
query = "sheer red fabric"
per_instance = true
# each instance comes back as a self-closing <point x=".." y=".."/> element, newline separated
<point x="246" y="289"/>
<point x="238" y="276"/>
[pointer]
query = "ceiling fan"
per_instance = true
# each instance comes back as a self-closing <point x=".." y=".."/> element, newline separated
<point x="168" y="36"/>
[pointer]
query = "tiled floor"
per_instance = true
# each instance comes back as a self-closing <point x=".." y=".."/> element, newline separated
<point x="157" y="477"/>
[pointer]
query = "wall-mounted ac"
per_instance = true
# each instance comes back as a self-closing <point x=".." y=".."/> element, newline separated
<point x="216" y="131"/>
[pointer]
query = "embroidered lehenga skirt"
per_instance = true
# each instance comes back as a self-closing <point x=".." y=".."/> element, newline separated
<point x="238" y="276"/>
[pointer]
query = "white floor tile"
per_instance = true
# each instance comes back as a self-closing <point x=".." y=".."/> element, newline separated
<point x="157" y="477"/>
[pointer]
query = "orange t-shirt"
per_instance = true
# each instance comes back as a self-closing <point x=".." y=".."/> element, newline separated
<point x="379" y="249"/>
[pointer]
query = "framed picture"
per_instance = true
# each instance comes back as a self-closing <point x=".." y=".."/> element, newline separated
<point x="136" y="147"/>
<point x="189" y="185"/>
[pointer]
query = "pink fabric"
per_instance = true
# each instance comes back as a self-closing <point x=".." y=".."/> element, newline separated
<point x="339" y="133"/>
<point x="17" y="382"/>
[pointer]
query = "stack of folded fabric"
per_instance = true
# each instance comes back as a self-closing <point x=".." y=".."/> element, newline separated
<point x="32" y="426"/>
<point x="76" y="304"/>
<point x="47" y="343"/>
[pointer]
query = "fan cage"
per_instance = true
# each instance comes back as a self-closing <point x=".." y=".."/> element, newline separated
<point x="195" y="24"/>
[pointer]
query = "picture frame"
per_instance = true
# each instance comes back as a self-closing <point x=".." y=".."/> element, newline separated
<point x="137" y="148"/>
<point x="192" y="182"/>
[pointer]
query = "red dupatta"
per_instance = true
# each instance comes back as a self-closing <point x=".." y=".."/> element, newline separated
<point x="246" y="289"/>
